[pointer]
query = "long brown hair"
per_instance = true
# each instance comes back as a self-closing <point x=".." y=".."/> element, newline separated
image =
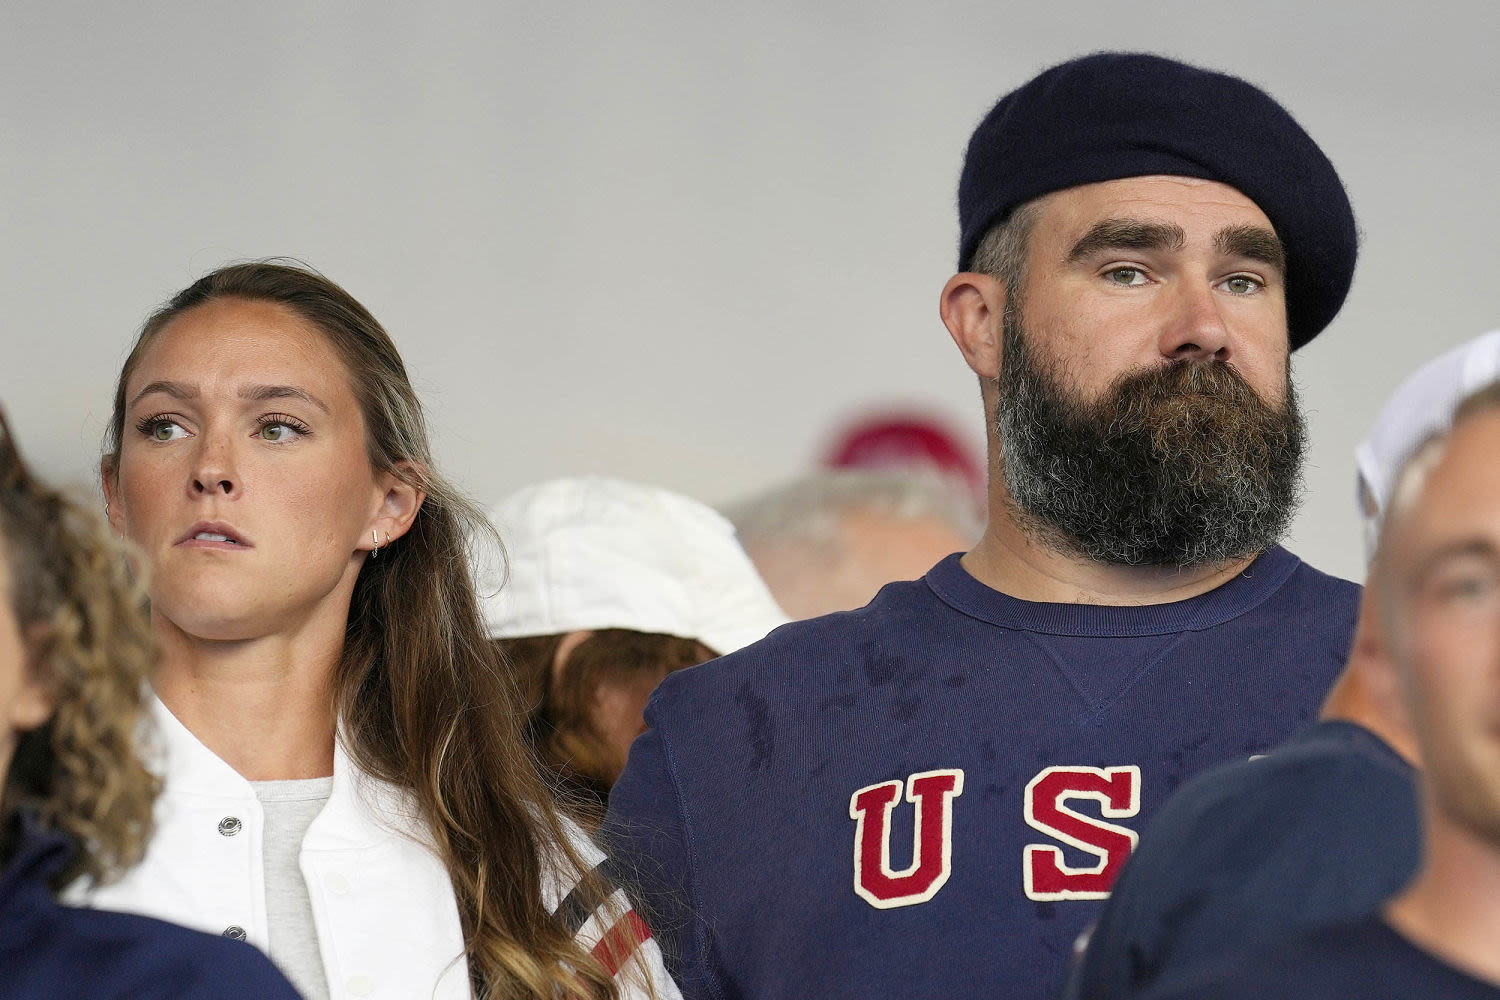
<point x="423" y="700"/>
<point x="89" y="639"/>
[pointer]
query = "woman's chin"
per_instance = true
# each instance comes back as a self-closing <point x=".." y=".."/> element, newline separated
<point x="216" y="620"/>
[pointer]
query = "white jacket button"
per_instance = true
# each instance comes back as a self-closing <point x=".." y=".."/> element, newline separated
<point x="229" y="826"/>
<point x="234" y="931"/>
<point x="361" y="986"/>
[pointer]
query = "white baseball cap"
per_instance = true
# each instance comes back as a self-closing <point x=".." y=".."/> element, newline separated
<point x="1421" y="406"/>
<point x="592" y="553"/>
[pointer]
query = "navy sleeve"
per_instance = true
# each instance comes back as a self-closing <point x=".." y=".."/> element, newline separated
<point x="1364" y="960"/>
<point x="235" y="969"/>
<point x="104" y="955"/>
<point x="1322" y="830"/>
<point x="1124" y="946"/>
<point x="646" y="835"/>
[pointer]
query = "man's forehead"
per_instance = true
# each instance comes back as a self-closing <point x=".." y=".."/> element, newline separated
<point x="1156" y="198"/>
<point x="1457" y="498"/>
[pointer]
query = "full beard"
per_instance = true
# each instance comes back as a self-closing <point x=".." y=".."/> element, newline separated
<point x="1179" y="465"/>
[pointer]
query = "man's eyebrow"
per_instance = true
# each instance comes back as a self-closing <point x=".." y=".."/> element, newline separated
<point x="1463" y="548"/>
<point x="177" y="390"/>
<point x="1253" y="243"/>
<point x="1126" y="234"/>
<point x="266" y="393"/>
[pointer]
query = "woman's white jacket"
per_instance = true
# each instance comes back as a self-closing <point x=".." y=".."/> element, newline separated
<point x="382" y="903"/>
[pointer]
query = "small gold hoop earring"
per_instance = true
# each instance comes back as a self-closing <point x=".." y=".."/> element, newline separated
<point x="106" y="511"/>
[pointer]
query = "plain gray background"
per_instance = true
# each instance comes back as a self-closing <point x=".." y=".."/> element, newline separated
<point x="670" y="241"/>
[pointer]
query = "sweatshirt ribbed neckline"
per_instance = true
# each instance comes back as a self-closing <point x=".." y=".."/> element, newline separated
<point x="1262" y="578"/>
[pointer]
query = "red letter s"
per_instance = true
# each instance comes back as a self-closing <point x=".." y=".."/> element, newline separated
<point x="1118" y="790"/>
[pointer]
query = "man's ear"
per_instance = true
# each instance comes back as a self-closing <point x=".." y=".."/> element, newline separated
<point x="972" y="306"/>
<point x="1389" y="715"/>
<point x="399" y="503"/>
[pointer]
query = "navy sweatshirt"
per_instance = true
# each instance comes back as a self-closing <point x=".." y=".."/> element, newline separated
<point x="931" y="795"/>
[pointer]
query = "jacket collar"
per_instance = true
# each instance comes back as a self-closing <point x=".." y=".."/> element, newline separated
<point x="362" y="810"/>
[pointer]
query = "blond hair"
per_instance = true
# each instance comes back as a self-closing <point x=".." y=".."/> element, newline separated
<point x="74" y="595"/>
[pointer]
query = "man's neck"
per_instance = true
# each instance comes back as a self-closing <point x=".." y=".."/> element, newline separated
<point x="1452" y="909"/>
<point x="1010" y="561"/>
<point x="1352" y="700"/>
<point x="264" y="706"/>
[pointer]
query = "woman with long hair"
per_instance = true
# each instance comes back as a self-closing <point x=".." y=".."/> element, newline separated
<point x="75" y="652"/>
<point x="345" y="783"/>
<point x="607" y="587"/>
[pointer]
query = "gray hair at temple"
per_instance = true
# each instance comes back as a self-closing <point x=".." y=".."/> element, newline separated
<point x="828" y="541"/>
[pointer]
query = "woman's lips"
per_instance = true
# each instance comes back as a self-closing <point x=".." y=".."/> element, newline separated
<point x="213" y="535"/>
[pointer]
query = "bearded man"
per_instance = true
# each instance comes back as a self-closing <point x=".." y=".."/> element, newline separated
<point x="929" y="796"/>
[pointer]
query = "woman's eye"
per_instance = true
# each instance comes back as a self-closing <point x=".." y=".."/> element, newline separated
<point x="279" y="430"/>
<point x="1126" y="276"/>
<point x="162" y="429"/>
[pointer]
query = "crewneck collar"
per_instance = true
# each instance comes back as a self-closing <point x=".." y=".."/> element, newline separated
<point x="956" y="588"/>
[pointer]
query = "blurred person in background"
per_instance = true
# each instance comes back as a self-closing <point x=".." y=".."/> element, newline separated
<point x="611" y="585"/>
<point x="830" y="540"/>
<point x="75" y="657"/>
<point x="1436" y="584"/>
<point x="345" y="783"/>
<point x="891" y="438"/>
<point x="1325" y="827"/>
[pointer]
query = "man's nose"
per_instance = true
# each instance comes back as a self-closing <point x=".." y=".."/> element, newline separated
<point x="1194" y="329"/>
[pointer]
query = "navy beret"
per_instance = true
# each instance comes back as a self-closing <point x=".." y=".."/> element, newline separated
<point x="1119" y="114"/>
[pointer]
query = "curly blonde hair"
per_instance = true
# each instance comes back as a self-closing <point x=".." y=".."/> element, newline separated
<point x="77" y="601"/>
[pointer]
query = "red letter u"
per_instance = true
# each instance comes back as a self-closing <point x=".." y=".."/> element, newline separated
<point x="932" y="792"/>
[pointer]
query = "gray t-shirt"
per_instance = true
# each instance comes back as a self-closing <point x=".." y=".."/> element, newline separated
<point x="290" y="807"/>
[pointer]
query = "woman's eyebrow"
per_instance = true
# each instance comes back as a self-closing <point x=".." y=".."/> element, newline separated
<point x="177" y="390"/>
<point x="265" y="393"/>
<point x="257" y="393"/>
